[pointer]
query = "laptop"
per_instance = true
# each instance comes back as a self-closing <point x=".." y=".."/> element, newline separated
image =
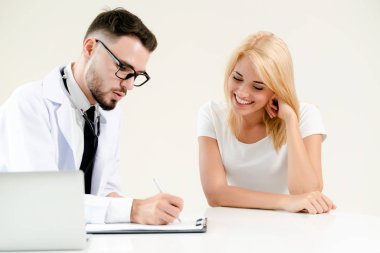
<point x="42" y="211"/>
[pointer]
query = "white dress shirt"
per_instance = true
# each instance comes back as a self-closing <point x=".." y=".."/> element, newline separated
<point x="113" y="210"/>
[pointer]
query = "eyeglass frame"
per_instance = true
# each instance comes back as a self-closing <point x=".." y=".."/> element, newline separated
<point x="122" y="65"/>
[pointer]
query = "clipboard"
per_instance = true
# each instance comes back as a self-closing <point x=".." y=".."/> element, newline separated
<point x="198" y="225"/>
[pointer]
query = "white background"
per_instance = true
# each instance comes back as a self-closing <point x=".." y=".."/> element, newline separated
<point x="335" y="49"/>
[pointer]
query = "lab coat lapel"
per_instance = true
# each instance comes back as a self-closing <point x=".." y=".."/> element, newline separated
<point x="53" y="90"/>
<point x="67" y="126"/>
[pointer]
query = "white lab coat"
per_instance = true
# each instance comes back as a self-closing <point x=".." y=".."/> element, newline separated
<point x="37" y="133"/>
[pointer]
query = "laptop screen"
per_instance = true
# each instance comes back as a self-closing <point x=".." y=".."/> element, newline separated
<point x="42" y="211"/>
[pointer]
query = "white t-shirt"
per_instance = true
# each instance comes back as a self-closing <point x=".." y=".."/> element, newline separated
<point x="255" y="166"/>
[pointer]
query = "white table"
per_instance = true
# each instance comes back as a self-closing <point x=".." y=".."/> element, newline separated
<point x="247" y="230"/>
<point x="244" y="230"/>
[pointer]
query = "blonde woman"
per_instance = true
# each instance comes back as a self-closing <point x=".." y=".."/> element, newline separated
<point x="261" y="148"/>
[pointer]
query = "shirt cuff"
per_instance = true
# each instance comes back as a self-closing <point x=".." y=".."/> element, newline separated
<point x="119" y="210"/>
<point x="96" y="208"/>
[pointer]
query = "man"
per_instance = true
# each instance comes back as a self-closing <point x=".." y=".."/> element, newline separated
<point x="70" y="120"/>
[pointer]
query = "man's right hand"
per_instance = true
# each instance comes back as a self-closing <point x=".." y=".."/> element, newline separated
<point x="160" y="209"/>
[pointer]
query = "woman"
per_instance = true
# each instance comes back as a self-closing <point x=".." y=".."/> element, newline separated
<point x="262" y="149"/>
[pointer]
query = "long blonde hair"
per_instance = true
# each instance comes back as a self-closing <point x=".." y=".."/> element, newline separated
<point x="271" y="57"/>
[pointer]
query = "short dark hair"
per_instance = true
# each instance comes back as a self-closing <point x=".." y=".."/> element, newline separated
<point x="120" y="22"/>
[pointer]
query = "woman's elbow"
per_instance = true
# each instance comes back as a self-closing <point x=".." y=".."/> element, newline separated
<point x="213" y="203"/>
<point x="213" y="200"/>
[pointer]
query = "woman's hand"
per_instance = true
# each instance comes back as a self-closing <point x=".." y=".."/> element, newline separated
<point x="276" y="107"/>
<point x="312" y="202"/>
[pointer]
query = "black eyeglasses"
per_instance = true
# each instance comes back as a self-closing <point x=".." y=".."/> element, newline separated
<point x="126" y="71"/>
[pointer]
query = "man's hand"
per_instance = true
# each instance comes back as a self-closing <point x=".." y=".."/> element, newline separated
<point x="160" y="209"/>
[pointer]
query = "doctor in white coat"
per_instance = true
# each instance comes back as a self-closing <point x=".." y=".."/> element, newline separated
<point x="42" y="123"/>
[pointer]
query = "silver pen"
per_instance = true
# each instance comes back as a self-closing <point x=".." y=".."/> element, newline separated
<point x="160" y="190"/>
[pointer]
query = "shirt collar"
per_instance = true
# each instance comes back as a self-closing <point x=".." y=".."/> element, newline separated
<point x="78" y="98"/>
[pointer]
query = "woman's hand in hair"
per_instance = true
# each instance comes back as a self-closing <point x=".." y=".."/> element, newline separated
<point x="276" y="107"/>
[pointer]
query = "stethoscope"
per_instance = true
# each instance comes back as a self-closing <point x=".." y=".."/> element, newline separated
<point x="95" y="130"/>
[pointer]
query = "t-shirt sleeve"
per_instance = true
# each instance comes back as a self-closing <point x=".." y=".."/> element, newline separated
<point x="205" y="125"/>
<point x="311" y="121"/>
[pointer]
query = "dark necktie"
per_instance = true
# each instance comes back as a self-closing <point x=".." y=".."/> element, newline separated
<point x="90" y="147"/>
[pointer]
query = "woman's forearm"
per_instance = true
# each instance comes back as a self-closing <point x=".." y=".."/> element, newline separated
<point x="302" y="176"/>
<point x="232" y="196"/>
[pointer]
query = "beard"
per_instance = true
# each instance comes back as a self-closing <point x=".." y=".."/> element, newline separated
<point x="94" y="84"/>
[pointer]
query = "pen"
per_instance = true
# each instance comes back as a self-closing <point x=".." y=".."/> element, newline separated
<point x="160" y="190"/>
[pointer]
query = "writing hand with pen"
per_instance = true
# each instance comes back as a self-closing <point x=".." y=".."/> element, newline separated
<point x="160" y="209"/>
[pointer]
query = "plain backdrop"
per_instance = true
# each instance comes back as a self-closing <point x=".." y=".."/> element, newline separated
<point x="335" y="49"/>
